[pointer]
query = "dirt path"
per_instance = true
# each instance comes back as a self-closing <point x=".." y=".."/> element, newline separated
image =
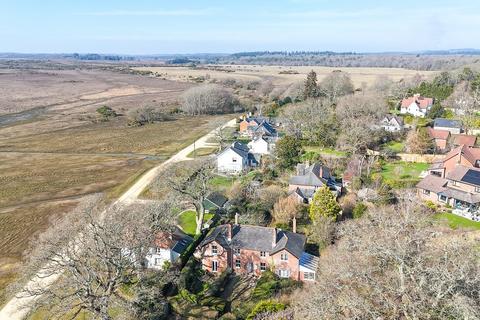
<point x="19" y="307"/>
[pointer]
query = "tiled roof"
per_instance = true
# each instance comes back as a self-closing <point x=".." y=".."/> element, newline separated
<point x="465" y="174"/>
<point x="438" y="134"/>
<point x="422" y="102"/>
<point x="468" y="197"/>
<point x="432" y="183"/>
<point x="465" y="139"/>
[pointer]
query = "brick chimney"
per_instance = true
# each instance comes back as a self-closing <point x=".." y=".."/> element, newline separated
<point x="274" y="238"/>
<point x="294" y="225"/>
<point x="229" y="232"/>
<point x="236" y="218"/>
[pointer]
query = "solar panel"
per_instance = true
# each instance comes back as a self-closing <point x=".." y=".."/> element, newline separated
<point x="472" y="177"/>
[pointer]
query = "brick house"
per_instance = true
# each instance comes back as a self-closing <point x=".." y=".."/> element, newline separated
<point x="440" y="138"/>
<point x="462" y="155"/>
<point x="247" y="249"/>
<point x="460" y="189"/>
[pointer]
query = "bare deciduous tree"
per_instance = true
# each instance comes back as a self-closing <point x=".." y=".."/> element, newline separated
<point x="285" y="209"/>
<point x="195" y="189"/>
<point x="207" y="99"/>
<point x="93" y="253"/>
<point x="409" y="269"/>
<point x="335" y="85"/>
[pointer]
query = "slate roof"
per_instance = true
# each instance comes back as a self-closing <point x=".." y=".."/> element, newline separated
<point x="217" y="199"/>
<point x="177" y="241"/>
<point x="315" y="175"/>
<point x="389" y="117"/>
<point x="257" y="238"/>
<point x="239" y="148"/>
<point x="447" y="123"/>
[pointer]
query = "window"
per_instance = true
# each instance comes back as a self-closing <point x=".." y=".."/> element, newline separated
<point x="284" y="273"/>
<point x="237" y="263"/>
<point x="214" y="266"/>
<point x="454" y="183"/>
<point x="236" y="251"/>
<point x="158" y="261"/>
<point x="158" y="250"/>
<point x="309" y="275"/>
<point x="443" y="198"/>
<point x="426" y="191"/>
<point x="234" y="160"/>
<point x="284" y="257"/>
<point x="263" y="266"/>
<point x="263" y="254"/>
<point x="477" y="189"/>
<point x="214" y="249"/>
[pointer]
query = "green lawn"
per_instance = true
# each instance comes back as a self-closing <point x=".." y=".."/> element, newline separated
<point x="186" y="220"/>
<point x="325" y="151"/>
<point x="221" y="183"/>
<point x="455" y="221"/>
<point x="395" y="146"/>
<point x="400" y="174"/>
<point x="201" y="152"/>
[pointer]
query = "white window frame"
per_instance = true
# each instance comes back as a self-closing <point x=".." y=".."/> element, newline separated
<point x="425" y="191"/>
<point x="214" y="266"/>
<point x="284" y="273"/>
<point x="263" y="266"/>
<point x="214" y="249"/>
<point x="157" y="261"/>
<point x="236" y="251"/>
<point x="477" y="189"/>
<point x="284" y="256"/>
<point x="442" y="200"/>
<point x="309" y="276"/>
<point x="238" y="263"/>
<point x="263" y="254"/>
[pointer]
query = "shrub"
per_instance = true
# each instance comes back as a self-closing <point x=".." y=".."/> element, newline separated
<point x="359" y="210"/>
<point x="208" y="99"/>
<point x="106" y="112"/>
<point x="265" y="306"/>
<point x="431" y="205"/>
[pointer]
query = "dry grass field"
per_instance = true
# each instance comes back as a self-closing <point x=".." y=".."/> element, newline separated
<point x="255" y="72"/>
<point x="53" y="151"/>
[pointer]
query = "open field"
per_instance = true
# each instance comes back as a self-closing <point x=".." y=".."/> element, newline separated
<point x="53" y="149"/>
<point x="256" y="72"/>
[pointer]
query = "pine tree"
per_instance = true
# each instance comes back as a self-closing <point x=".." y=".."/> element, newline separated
<point x="324" y="204"/>
<point x="311" y="89"/>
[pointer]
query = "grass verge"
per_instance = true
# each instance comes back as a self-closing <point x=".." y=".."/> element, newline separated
<point x="456" y="222"/>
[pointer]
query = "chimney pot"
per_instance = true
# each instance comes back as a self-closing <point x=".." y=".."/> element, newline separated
<point x="294" y="225"/>
<point x="229" y="232"/>
<point x="236" y="218"/>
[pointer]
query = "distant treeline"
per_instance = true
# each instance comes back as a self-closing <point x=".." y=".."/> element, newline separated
<point x="432" y="60"/>
<point x="96" y="56"/>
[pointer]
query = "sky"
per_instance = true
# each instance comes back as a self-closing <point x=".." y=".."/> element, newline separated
<point x="226" y="26"/>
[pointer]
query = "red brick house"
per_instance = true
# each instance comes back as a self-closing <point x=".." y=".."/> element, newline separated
<point x="440" y="138"/>
<point x="247" y="249"/>
<point x="462" y="155"/>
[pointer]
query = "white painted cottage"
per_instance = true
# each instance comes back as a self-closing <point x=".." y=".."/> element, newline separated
<point x="261" y="145"/>
<point x="417" y="105"/>
<point x="235" y="159"/>
<point x="167" y="248"/>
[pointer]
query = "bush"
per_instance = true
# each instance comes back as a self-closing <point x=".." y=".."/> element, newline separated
<point x="106" y="112"/>
<point x="265" y="306"/>
<point x="359" y="210"/>
<point x="147" y="115"/>
<point x="431" y="205"/>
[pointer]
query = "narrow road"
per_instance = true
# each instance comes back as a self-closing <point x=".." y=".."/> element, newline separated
<point x="19" y="307"/>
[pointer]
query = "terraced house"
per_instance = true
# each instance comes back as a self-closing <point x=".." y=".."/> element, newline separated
<point x="251" y="250"/>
